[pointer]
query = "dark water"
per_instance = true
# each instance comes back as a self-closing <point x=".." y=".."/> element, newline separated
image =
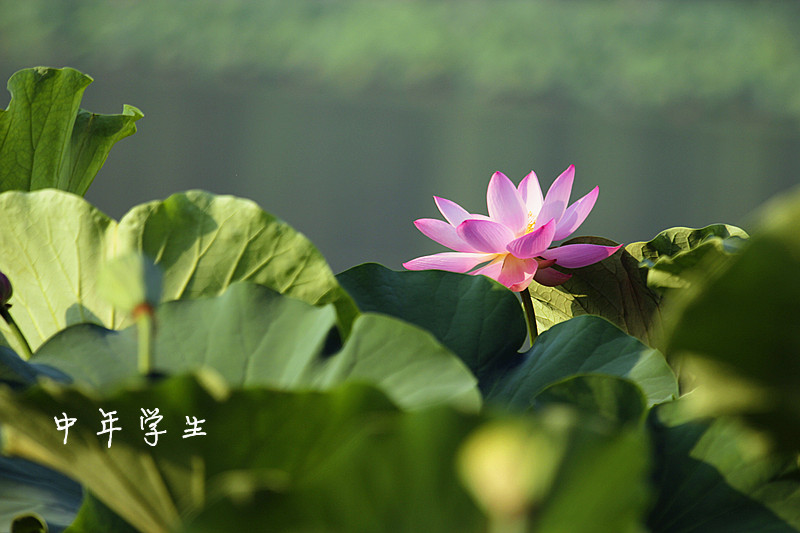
<point x="353" y="172"/>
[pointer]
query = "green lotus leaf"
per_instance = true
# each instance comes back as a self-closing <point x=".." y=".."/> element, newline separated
<point x="615" y="289"/>
<point x="718" y="476"/>
<point x="584" y="345"/>
<point x="47" y="141"/>
<point x="54" y="245"/>
<point x="673" y="252"/>
<point x="474" y="316"/>
<point x="736" y="333"/>
<point x="253" y="336"/>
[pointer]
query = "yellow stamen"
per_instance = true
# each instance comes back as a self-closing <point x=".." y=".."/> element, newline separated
<point x="531" y="223"/>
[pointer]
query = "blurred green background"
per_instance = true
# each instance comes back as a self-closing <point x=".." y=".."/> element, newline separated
<point x="345" y="118"/>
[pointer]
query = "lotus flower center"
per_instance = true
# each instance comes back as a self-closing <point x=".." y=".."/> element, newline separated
<point x="531" y="223"/>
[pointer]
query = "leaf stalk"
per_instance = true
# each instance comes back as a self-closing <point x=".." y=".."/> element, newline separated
<point x="27" y="353"/>
<point x="145" y="327"/>
<point x="530" y="314"/>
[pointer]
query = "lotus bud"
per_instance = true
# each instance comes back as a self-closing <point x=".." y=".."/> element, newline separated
<point x="5" y="290"/>
<point x="23" y="348"/>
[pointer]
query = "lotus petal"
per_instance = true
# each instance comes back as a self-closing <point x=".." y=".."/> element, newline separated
<point x="550" y="277"/>
<point x="443" y="233"/>
<point x="579" y="255"/>
<point x="575" y="215"/>
<point x="534" y="243"/>
<point x="531" y="193"/>
<point x="485" y="235"/>
<point x="555" y="203"/>
<point x="450" y="261"/>
<point x="505" y="204"/>
<point x="517" y="273"/>
<point x="451" y="211"/>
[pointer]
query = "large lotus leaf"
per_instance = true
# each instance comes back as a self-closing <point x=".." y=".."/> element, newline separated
<point x="615" y="288"/>
<point x="53" y="246"/>
<point x="47" y="141"/>
<point x="253" y="336"/>
<point x="584" y="345"/>
<point x="27" y="487"/>
<point x="477" y="318"/>
<point x="738" y="333"/>
<point x="293" y="438"/>
<point x="718" y="477"/>
<point x="566" y="464"/>
<point x="673" y="252"/>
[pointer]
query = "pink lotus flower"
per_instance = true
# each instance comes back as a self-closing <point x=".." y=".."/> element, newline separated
<point x="514" y="240"/>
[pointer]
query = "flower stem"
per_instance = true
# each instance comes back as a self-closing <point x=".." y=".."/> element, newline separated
<point x="145" y="325"/>
<point x="23" y="342"/>
<point x="497" y="525"/>
<point x="530" y="315"/>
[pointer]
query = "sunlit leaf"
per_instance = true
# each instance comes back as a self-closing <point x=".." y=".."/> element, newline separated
<point x="673" y="252"/>
<point x="47" y="141"/>
<point x="615" y="288"/>
<point x="54" y="245"/>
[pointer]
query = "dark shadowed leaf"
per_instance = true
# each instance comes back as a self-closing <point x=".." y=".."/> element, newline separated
<point x="613" y="398"/>
<point x="383" y="484"/>
<point x="95" y="517"/>
<point x="584" y="345"/>
<point x="477" y="318"/>
<point x="736" y="327"/>
<point x="718" y="476"/>
<point x="28" y="488"/>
